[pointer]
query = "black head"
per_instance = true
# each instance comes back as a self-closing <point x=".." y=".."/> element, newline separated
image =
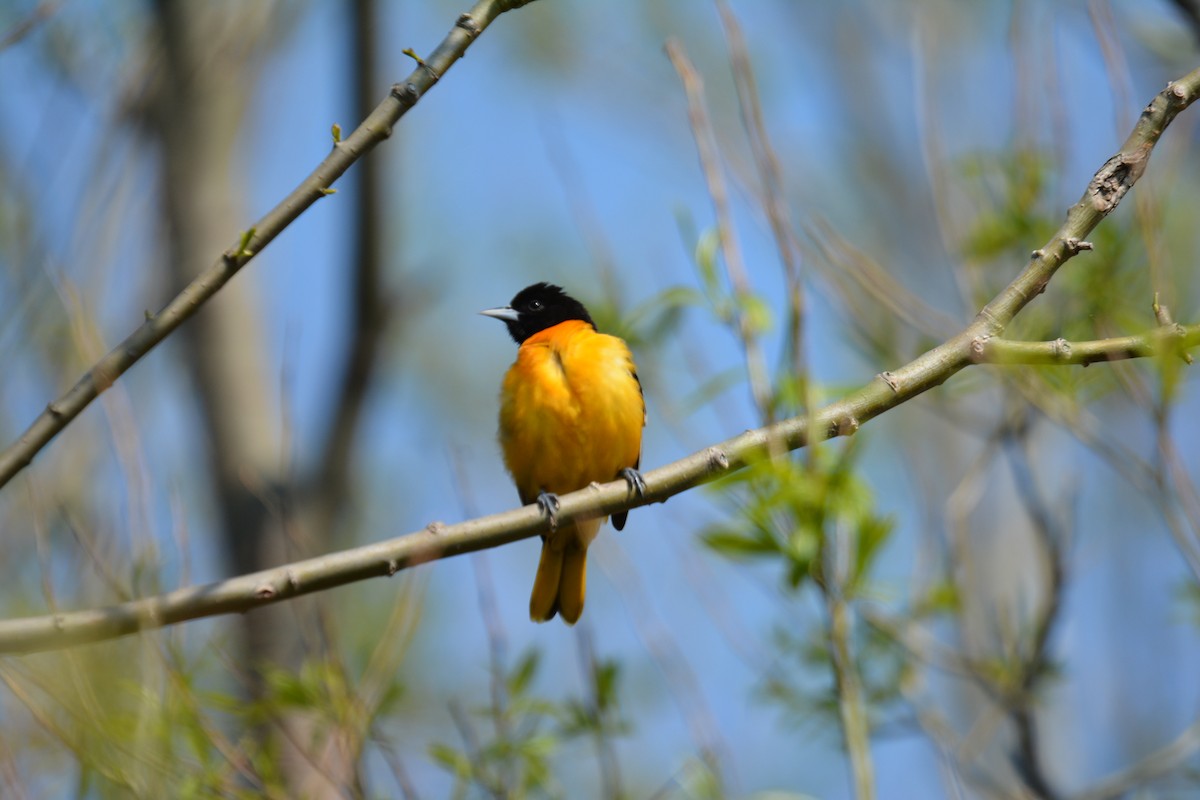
<point x="537" y="307"/>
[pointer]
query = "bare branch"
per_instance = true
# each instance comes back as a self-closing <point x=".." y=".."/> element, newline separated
<point x="438" y="541"/>
<point x="702" y="131"/>
<point x="1153" y="766"/>
<point x="373" y="130"/>
<point x="40" y="13"/>
<point x="770" y="176"/>
<point x="852" y="699"/>
<point x="1060" y="351"/>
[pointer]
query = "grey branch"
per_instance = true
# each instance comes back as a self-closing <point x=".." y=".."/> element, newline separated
<point x="439" y="541"/>
<point x="1155" y="765"/>
<point x="1163" y="340"/>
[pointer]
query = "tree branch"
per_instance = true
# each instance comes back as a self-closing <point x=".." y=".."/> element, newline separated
<point x="373" y="130"/>
<point x="1167" y="339"/>
<point x="437" y="540"/>
<point x="40" y="13"/>
<point x="841" y="418"/>
<point x="1153" y="766"/>
<point x="731" y="251"/>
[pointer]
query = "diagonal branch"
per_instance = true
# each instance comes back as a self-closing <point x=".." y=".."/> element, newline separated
<point x="840" y="418"/>
<point x="731" y="251"/>
<point x="373" y="130"/>
<point x="40" y="13"/>
<point x="437" y="540"/>
<point x="1153" y="766"/>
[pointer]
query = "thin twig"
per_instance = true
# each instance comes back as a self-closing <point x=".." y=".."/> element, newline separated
<point x="660" y="642"/>
<point x="756" y="365"/>
<point x="852" y="702"/>
<point x="606" y="754"/>
<point x="770" y="175"/>
<point x="40" y="13"/>
<point x="1035" y="665"/>
<point x="1153" y="766"/>
<point x="1061" y="351"/>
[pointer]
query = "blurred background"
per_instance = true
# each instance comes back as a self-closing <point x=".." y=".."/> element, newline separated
<point x="997" y="583"/>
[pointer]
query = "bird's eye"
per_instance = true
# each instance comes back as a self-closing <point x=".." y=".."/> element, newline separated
<point x="535" y="305"/>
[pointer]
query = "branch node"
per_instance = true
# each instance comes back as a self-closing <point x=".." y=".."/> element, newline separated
<point x="264" y="591"/>
<point x="393" y="566"/>
<point x="848" y="426"/>
<point x="1162" y="314"/>
<point x="718" y="460"/>
<point x="435" y="528"/>
<point x="1074" y="244"/>
<point x="242" y="251"/>
<point x="1179" y="332"/>
<point x="408" y="93"/>
<point x="1111" y="182"/>
<point x="468" y="24"/>
<point x="1062" y="349"/>
<point x="55" y="409"/>
<point x="60" y="623"/>
<point x="890" y="380"/>
<point x="1177" y="90"/>
<point x="293" y="580"/>
<point x="1039" y="253"/>
<point x="408" y="51"/>
<point x="979" y="347"/>
<point x="421" y="64"/>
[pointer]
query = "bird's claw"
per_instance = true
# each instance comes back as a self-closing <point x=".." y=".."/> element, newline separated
<point x="548" y="503"/>
<point x="637" y="483"/>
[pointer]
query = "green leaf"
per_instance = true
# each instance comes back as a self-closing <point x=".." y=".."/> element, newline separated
<point x="940" y="598"/>
<point x="1189" y="595"/>
<point x="451" y="760"/>
<point x="803" y="547"/>
<point x="797" y="573"/>
<point x="607" y="675"/>
<point x="873" y="533"/>
<point x="756" y="314"/>
<point x="523" y="673"/>
<point x="706" y="260"/>
<point x="731" y="543"/>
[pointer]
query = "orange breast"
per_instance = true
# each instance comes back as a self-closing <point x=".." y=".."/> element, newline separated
<point x="571" y="410"/>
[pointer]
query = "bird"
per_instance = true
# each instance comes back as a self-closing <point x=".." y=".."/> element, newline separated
<point x="571" y="413"/>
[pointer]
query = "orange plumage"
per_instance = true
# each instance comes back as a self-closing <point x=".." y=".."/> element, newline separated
<point x="571" y="412"/>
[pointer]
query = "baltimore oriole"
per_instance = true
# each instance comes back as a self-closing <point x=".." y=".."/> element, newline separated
<point x="571" y="412"/>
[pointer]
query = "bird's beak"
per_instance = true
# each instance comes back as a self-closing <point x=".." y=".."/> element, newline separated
<point x="504" y="313"/>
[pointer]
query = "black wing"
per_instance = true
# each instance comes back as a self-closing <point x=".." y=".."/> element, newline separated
<point x="618" y="519"/>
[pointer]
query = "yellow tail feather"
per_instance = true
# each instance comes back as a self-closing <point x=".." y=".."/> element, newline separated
<point x="561" y="581"/>
<point x="572" y="586"/>
<point x="543" y="603"/>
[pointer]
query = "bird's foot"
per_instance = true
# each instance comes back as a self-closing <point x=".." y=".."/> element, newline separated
<point x="637" y="484"/>
<point x="548" y="503"/>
